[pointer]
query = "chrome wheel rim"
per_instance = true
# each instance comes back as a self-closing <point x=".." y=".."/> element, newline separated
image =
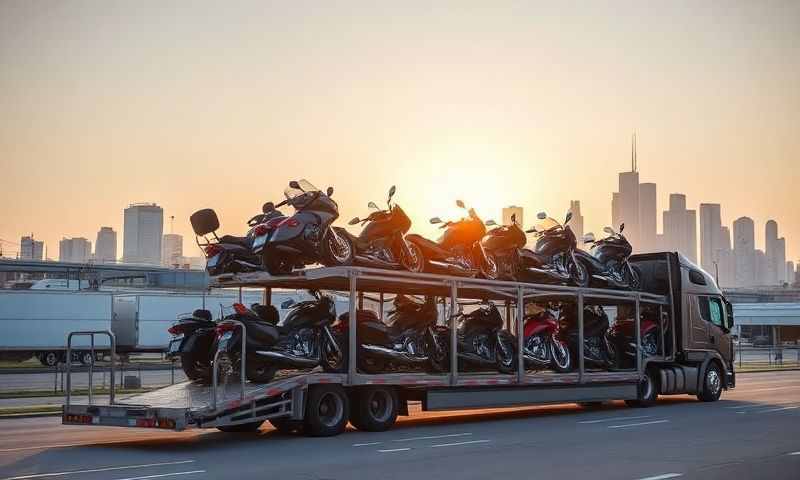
<point x="492" y="269"/>
<point x="647" y="387"/>
<point x="714" y="381"/>
<point x="330" y="409"/>
<point x="560" y="354"/>
<point x="412" y="262"/>
<point x="340" y="248"/>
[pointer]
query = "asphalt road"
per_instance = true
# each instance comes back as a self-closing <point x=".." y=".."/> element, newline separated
<point x="80" y="379"/>
<point x="753" y="432"/>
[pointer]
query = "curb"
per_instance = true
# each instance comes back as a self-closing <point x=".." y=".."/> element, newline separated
<point x="11" y="416"/>
<point x="768" y="370"/>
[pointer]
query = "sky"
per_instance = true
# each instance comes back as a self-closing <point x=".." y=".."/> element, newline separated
<point x="195" y="104"/>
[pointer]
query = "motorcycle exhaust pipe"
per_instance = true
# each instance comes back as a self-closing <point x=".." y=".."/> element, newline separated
<point x="286" y="358"/>
<point x="394" y="354"/>
<point x="549" y="273"/>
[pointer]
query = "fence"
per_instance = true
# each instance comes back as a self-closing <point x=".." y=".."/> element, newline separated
<point x="767" y="356"/>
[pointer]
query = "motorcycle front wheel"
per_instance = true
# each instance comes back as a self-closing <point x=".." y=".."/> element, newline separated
<point x="331" y="359"/>
<point x="438" y="356"/>
<point x="414" y="262"/>
<point x="505" y="355"/>
<point x="561" y="359"/>
<point x="337" y="250"/>
<point x="490" y="267"/>
<point x="579" y="274"/>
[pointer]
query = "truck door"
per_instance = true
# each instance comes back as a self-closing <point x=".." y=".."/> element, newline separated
<point x="698" y="333"/>
<point x="125" y="320"/>
<point x="713" y="311"/>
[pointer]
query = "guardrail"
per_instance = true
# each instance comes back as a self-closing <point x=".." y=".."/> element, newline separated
<point x="242" y="363"/>
<point x="91" y="334"/>
<point x="767" y="355"/>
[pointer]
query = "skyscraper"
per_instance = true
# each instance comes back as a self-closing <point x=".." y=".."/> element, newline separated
<point x="680" y="227"/>
<point x="171" y="249"/>
<point x="513" y="210"/>
<point x="710" y="235"/>
<point x="790" y="272"/>
<point x="144" y="226"/>
<point x="77" y="250"/>
<point x="762" y="271"/>
<point x="576" y="224"/>
<point x="30" y="249"/>
<point x="770" y="247"/>
<point x="648" y="215"/>
<point x="725" y="261"/>
<point x="105" y="247"/>
<point x="780" y="260"/>
<point x="744" y="251"/>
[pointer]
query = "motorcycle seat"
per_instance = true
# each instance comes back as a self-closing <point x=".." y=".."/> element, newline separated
<point x="262" y="333"/>
<point x="243" y="241"/>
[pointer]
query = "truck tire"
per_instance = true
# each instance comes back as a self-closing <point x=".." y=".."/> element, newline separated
<point x="712" y="384"/>
<point x="241" y="428"/>
<point x="287" y="425"/>
<point x="327" y="410"/>
<point x="648" y="391"/>
<point x="50" y="359"/>
<point x="374" y="409"/>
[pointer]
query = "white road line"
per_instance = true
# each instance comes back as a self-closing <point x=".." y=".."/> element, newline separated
<point x="638" y="424"/>
<point x="779" y="409"/>
<point x="611" y="419"/>
<point x="161" y="475"/>
<point x="67" y="445"/>
<point x="432" y="437"/>
<point x="793" y="453"/>
<point x="99" y="469"/>
<point x="366" y="444"/>
<point x="394" y="450"/>
<point x="459" y="443"/>
<point x="663" y="476"/>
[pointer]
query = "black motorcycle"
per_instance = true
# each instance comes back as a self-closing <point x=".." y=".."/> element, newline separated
<point x="482" y="342"/>
<point x="307" y="237"/>
<point x="598" y="346"/>
<point x="229" y="253"/>
<point x="553" y="259"/>
<point x="410" y="340"/>
<point x="302" y="340"/>
<point x="501" y="247"/>
<point x="458" y="251"/>
<point x="608" y="260"/>
<point x="192" y="340"/>
<point x="382" y="243"/>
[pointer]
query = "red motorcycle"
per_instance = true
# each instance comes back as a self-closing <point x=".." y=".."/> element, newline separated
<point x="543" y="346"/>
<point x="623" y="334"/>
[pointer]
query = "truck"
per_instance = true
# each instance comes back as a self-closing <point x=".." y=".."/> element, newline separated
<point x="692" y="355"/>
<point x="38" y="320"/>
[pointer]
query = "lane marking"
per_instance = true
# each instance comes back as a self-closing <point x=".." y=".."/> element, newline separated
<point x="68" y="445"/>
<point x="611" y="419"/>
<point x="760" y="405"/>
<point x="366" y="444"/>
<point x="388" y="450"/>
<point x="779" y="409"/>
<point x="638" y="424"/>
<point x="459" y="443"/>
<point x="793" y="453"/>
<point x="663" y="476"/>
<point x="161" y="475"/>
<point x="432" y="437"/>
<point x="99" y="469"/>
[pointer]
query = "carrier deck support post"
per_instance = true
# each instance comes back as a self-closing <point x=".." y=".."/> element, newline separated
<point x="453" y="333"/>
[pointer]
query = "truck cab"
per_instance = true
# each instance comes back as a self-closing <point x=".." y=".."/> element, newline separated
<point x="699" y="346"/>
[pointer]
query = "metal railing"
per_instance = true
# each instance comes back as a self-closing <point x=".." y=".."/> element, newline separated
<point x="91" y="334"/>
<point x="767" y="355"/>
<point x="242" y="364"/>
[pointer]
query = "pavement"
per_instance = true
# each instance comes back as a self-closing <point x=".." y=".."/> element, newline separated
<point x="49" y="380"/>
<point x="752" y="432"/>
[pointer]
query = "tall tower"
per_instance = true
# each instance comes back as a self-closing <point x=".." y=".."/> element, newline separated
<point x="744" y="251"/>
<point x="625" y="204"/>
<point x="143" y="229"/>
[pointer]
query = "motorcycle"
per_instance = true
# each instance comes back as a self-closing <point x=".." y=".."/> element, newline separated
<point x="302" y="340"/>
<point x="458" y="251"/>
<point x="623" y="334"/>
<point x="554" y="258"/>
<point x="192" y="340"/>
<point x="382" y="242"/>
<point x="501" y="247"/>
<point x="482" y="342"/>
<point x="411" y="339"/>
<point x="229" y="253"/>
<point x="608" y="260"/>
<point x="544" y="345"/>
<point x="598" y="347"/>
<point x="307" y="237"/>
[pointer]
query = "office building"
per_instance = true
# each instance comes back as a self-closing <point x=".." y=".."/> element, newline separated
<point x="143" y="228"/>
<point x="171" y="249"/>
<point x="790" y="272"/>
<point x="712" y="243"/>
<point x="680" y="227"/>
<point x="513" y="210"/>
<point x="30" y="249"/>
<point x="744" y="251"/>
<point x="648" y="215"/>
<point x="576" y="223"/>
<point x="76" y="250"/>
<point x="105" y="247"/>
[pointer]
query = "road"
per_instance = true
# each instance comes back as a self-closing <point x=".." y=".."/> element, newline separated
<point x="753" y="432"/>
<point x="47" y="381"/>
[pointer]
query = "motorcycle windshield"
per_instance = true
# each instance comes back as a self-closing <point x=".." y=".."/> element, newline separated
<point x="305" y="187"/>
<point x="547" y="224"/>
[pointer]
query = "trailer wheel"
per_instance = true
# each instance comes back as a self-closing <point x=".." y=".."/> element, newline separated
<point x="327" y="410"/>
<point x="50" y="359"/>
<point x="287" y="425"/>
<point x="712" y="384"/>
<point x="241" y="428"/>
<point x="648" y="391"/>
<point x="374" y="409"/>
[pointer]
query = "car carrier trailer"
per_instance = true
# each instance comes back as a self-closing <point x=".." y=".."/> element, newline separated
<point x="322" y="403"/>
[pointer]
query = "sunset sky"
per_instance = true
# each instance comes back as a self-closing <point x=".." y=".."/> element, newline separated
<point x="194" y="104"/>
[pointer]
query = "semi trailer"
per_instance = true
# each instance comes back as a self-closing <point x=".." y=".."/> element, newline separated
<point x="692" y="355"/>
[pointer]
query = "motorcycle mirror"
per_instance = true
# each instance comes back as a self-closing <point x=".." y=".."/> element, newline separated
<point x="354" y="221"/>
<point x="608" y="230"/>
<point x="490" y="223"/>
<point x="287" y="303"/>
<point x="372" y="206"/>
<point x="513" y="218"/>
<point x="621" y="227"/>
<point x="329" y="191"/>
<point x="391" y="191"/>
<point x="568" y="218"/>
<point x="295" y="185"/>
<point x="267" y="207"/>
<point x="541" y="215"/>
<point x="588" y="238"/>
<point x="460" y="204"/>
<point x="436" y="220"/>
